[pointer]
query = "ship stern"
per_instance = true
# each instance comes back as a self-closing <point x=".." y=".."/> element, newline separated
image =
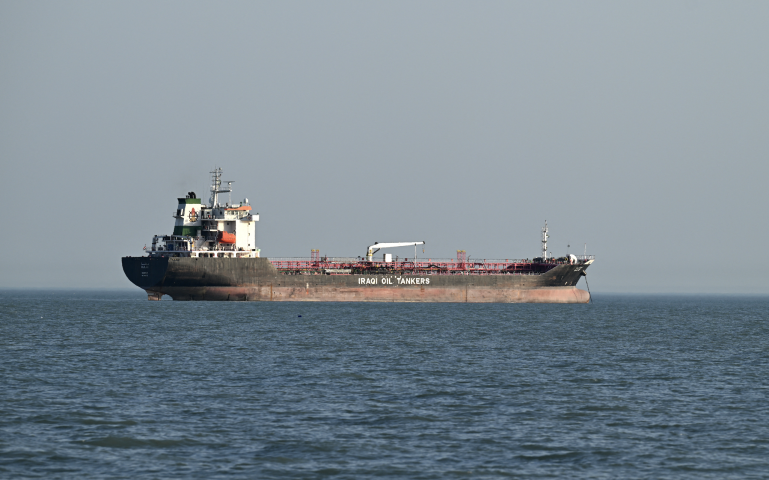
<point x="146" y="273"/>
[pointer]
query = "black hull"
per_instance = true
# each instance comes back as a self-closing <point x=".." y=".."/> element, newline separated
<point x="186" y="278"/>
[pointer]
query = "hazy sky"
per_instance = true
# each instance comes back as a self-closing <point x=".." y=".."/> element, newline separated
<point x="639" y="128"/>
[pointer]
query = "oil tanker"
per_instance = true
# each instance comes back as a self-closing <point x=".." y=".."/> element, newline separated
<point x="212" y="255"/>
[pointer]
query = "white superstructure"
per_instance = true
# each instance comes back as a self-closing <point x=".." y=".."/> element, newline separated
<point x="210" y="230"/>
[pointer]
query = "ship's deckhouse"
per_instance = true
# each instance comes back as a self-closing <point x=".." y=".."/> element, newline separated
<point x="210" y="230"/>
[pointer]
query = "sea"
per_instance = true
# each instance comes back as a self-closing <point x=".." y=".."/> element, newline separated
<point x="105" y="384"/>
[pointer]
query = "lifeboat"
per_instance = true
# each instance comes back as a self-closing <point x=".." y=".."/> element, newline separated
<point x="224" y="237"/>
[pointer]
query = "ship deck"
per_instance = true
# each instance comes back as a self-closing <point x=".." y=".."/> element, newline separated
<point x="358" y="266"/>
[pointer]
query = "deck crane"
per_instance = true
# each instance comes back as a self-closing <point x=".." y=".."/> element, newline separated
<point x="370" y="252"/>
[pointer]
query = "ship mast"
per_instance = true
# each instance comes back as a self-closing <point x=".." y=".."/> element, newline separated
<point x="544" y="241"/>
<point x="216" y="185"/>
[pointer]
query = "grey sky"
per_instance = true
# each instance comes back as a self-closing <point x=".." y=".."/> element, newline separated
<point x="637" y="128"/>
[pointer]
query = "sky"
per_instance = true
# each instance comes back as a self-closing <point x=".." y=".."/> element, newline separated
<point x="637" y="128"/>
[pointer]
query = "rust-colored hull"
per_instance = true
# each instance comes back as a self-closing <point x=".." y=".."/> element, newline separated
<point x="255" y="279"/>
<point x="470" y="294"/>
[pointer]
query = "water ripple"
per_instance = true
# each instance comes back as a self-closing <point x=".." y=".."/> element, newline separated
<point x="104" y="384"/>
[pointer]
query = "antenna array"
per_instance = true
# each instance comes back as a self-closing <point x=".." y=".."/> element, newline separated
<point x="216" y="187"/>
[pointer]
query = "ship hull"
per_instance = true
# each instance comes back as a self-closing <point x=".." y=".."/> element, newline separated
<point x="255" y="279"/>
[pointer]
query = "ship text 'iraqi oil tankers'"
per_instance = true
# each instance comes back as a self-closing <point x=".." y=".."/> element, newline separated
<point x="212" y="255"/>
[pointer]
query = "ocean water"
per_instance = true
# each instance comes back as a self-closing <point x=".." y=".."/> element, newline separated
<point x="108" y="385"/>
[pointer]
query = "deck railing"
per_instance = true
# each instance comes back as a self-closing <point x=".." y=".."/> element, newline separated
<point x="437" y="266"/>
